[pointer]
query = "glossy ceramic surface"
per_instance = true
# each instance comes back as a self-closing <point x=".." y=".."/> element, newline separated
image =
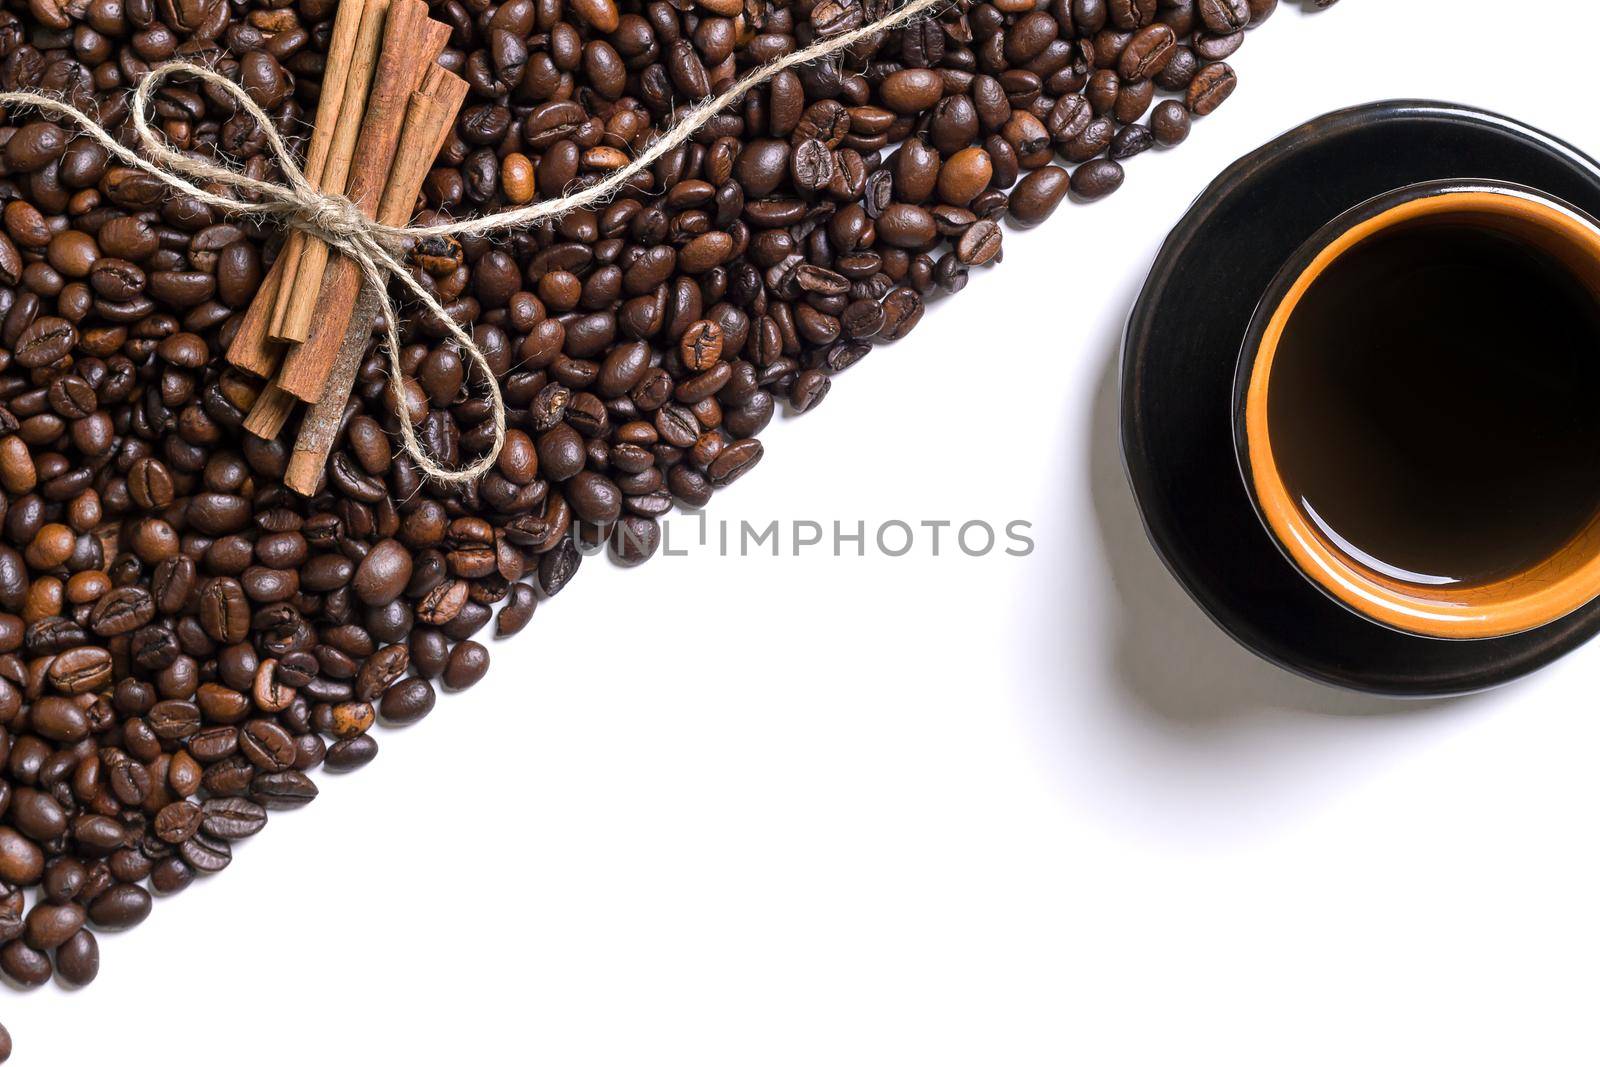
<point x="1546" y="592"/>
<point x="1179" y="361"/>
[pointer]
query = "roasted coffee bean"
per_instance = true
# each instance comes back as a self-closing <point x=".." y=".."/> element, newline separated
<point x="12" y="904"/>
<point x="1130" y="141"/>
<point x="49" y="925"/>
<point x="170" y="875"/>
<point x="45" y="342"/>
<point x="406" y="701"/>
<point x="634" y="539"/>
<point x="124" y="610"/>
<point x="26" y="966"/>
<point x="1170" y="123"/>
<point x="1130" y="14"/>
<point x="980" y="244"/>
<point x="78" y="958"/>
<point x="206" y="854"/>
<point x="284" y="789"/>
<point x="1036" y="197"/>
<point x="1148" y="52"/>
<point x="80" y="670"/>
<point x="37" y="815"/>
<point x="64" y="880"/>
<point x="267" y="745"/>
<point x="56" y="718"/>
<point x="120" y="908"/>
<point x="384" y="573"/>
<point x="518" y="610"/>
<point x="177" y="822"/>
<point x="1212" y="85"/>
<point x="1223" y="16"/>
<point x="224" y="610"/>
<point x="734" y="461"/>
<point x="21" y="860"/>
<point x="468" y="663"/>
<point x="1097" y="179"/>
<point x="351" y="753"/>
<point x="1180" y="70"/>
<point x="233" y="818"/>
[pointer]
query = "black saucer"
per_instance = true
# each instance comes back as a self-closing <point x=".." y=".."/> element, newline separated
<point x="1182" y="345"/>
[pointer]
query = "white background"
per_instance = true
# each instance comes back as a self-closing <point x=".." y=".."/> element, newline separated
<point x="935" y="810"/>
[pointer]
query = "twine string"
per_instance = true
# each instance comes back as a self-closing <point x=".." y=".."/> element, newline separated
<point x="374" y="247"/>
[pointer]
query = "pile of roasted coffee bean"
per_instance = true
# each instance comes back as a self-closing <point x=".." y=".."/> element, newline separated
<point x="182" y="639"/>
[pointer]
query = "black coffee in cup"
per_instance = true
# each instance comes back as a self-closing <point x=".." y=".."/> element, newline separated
<point x="1435" y="402"/>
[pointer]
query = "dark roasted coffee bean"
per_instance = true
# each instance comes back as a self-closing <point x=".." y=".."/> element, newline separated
<point x="232" y="818"/>
<point x="634" y="539"/>
<point x="557" y="566"/>
<point x="1036" y="197"/>
<point x="267" y="745"/>
<point x="120" y="907"/>
<point x="1148" y="52"/>
<point x="383" y="574"/>
<point x="37" y="815"/>
<point x="224" y="610"/>
<point x="468" y="663"/>
<point x="78" y="958"/>
<point x="351" y="753"/>
<point x="980" y="244"/>
<point x="49" y="925"/>
<point x="122" y="611"/>
<point x="1097" y="179"/>
<point x="1179" y="71"/>
<point x="45" y="342"/>
<point x="283" y="789"/>
<point x="734" y="461"/>
<point x="177" y="822"/>
<point x="26" y="966"/>
<point x="171" y="875"/>
<point x="64" y="880"/>
<point x="518" y="610"/>
<point x="21" y="860"/>
<point x="1130" y="14"/>
<point x="1131" y="141"/>
<point x="407" y="701"/>
<point x="1212" y="85"/>
<point x="1170" y="123"/>
<point x="1223" y="16"/>
<point x="206" y="854"/>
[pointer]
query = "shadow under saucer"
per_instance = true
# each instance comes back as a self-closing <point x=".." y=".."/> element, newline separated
<point x="1169" y="655"/>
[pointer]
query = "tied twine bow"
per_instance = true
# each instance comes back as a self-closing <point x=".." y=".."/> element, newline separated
<point x="374" y="247"/>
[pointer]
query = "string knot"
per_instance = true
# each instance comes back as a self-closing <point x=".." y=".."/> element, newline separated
<point x="333" y="218"/>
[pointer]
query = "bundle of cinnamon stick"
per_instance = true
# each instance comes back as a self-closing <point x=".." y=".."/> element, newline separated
<point x="385" y="110"/>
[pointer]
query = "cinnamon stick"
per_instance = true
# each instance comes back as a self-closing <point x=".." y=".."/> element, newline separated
<point x="343" y="120"/>
<point x="411" y="44"/>
<point x="270" y="411"/>
<point x="429" y="118"/>
<point x="250" y="349"/>
<point x="324" y="420"/>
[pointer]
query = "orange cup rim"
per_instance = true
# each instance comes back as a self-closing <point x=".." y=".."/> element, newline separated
<point x="1544" y="594"/>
